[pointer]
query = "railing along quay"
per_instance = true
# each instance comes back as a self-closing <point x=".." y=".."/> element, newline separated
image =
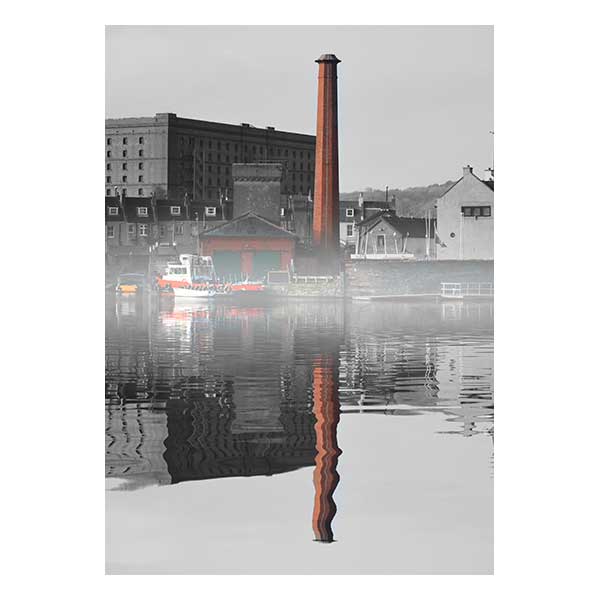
<point x="467" y="290"/>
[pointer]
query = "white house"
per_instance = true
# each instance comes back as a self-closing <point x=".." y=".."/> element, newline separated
<point x="465" y="219"/>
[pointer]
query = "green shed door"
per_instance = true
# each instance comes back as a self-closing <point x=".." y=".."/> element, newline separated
<point x="264" y="262"/>
<point x="227" y="264"/>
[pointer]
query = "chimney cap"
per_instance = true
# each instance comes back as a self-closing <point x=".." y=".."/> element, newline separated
<point x="328" y="58"/>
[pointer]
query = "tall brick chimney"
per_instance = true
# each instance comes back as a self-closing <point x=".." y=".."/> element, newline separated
<point x="326" y="217"/>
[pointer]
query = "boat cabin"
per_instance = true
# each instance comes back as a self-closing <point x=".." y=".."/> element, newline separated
<point x="190" y="269"/>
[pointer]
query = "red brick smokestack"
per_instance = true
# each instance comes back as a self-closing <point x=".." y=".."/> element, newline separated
<point x="326" y="218"/>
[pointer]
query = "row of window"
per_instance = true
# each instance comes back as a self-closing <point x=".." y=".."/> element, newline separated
<point x="124" y="179"/>
<point x="124" y="166"/>
<point x="124" y="153"/>
<point x="125" y="140"/>
<point x="476" y="211"/>
<point x="260" y="150"/>
<point x="142" y="230"/>
<point x="254" y="149"/>
<point x="142" y="211"/>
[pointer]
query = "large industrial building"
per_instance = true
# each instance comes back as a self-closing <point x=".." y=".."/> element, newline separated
<point x="170" y="157"/>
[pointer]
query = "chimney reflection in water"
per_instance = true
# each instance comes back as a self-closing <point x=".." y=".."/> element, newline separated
<point x="326" y="408"/>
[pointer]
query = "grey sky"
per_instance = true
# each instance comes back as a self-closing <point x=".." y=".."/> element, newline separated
<point x="415" y="103"/>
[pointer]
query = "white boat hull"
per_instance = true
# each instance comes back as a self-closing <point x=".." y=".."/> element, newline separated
<point x="180" y="292"/>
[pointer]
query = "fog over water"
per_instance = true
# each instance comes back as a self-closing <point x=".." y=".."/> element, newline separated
<point x="224" y="453"/>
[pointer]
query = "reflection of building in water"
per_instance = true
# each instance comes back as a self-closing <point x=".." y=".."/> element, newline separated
<point x="391" y="371"/>
<point x="135" y="446"/>
<point x="202" y="445"/>
<point x="472" y="311"/>
<point x="327" y="413"/>
<point x="408" y="357"/>
<point x="232" y="387"/>
<point x="464" y="376"/>
<point x="127" y="349"/>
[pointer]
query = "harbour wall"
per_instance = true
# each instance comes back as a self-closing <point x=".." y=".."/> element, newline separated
<point x="394" y="277"/>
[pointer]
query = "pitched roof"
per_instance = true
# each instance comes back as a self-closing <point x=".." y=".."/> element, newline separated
<point x="488" y="184"/>
<point x="248" y="225"/>
<point x="415" y="227"/>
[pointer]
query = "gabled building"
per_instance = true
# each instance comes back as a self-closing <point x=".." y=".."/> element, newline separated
<point x="249" y="245"/>
<point x="355" y="210"/>
<point x="465" y="219"/>
<point x="384" y="235"/>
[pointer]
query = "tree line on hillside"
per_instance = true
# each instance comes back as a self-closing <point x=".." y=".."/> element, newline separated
<point x="410" y="202"/>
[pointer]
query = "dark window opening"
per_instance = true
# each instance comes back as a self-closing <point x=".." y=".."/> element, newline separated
<point x="477" y="211"/>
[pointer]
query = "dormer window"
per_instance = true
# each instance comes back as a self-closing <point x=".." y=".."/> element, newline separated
<point x="113" y="211"/>
<point x="210" y="211"/>
<point x="349" y="212"/>
<point x="142" y="211"/>
<point x="175" y="210"/>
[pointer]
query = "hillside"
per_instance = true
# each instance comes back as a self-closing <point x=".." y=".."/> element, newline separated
<point x="410" y="202"/>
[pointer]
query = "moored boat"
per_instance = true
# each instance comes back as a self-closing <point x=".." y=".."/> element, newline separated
<point x="131" y="283"/>
<point x="194" y="276"/>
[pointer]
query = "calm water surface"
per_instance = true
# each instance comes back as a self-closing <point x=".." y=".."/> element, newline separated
<point x="236" y="436"/>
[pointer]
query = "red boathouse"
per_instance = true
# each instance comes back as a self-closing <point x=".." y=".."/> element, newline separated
<point x="248" y="245"/>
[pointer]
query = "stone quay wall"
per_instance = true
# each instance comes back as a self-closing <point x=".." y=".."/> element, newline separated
<point x="394" y="277"/>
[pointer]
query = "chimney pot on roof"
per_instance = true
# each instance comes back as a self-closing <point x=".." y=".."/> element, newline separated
<point x="468" y="170"/>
